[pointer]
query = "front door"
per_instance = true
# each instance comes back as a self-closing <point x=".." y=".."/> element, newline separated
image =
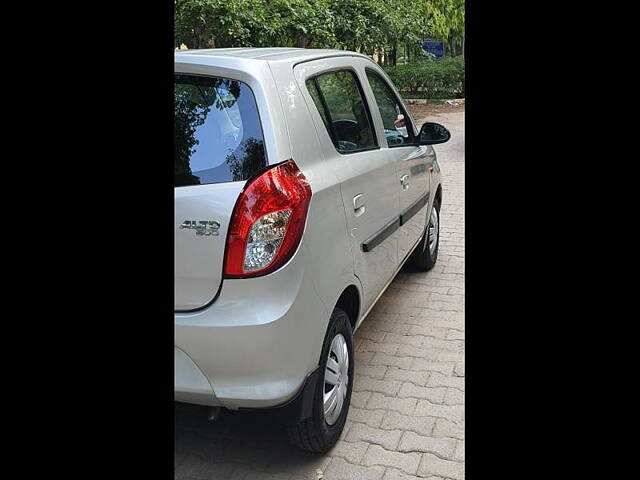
<point x="412" y="162"/>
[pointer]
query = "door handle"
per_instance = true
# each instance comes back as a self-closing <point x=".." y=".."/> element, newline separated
<point x="404" y="180"/>
<point x="358" y="204"/>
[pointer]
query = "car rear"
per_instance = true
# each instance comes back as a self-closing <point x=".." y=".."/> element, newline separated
<point x="242" y="290"/>
<point x="220" y="142"/>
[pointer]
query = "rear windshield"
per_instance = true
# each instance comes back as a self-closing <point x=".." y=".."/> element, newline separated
<point x="218" y="137"/>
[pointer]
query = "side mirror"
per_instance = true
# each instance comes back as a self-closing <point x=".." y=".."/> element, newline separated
<point x="433" y="133"/>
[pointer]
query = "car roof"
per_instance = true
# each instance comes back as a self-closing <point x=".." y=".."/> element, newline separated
<point x="294" y="55"/>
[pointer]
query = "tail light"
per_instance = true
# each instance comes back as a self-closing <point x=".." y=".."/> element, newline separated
<point x="268" y="221"/>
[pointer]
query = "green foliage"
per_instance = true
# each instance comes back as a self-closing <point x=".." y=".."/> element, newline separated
<point x="253" y="23"/>
<point x="437" y="80"/>
<point x="446" y="21"/>
<point x="387" y="28"/>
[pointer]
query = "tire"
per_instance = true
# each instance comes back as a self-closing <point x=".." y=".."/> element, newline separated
<point x="320" y="432"/>
<point x="425" y="256"/>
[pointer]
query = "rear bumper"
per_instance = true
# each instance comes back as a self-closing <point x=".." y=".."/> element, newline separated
<point x="191" y="385"/>
<point x="300" y="406"/>
<point x="255" y="346"/>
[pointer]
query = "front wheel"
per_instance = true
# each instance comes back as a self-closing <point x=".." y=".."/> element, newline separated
<point x="426" y="253"/>
<point x="321" y="430"/>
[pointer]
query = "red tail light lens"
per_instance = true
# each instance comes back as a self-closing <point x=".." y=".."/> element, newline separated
<point x="268" y="221"/>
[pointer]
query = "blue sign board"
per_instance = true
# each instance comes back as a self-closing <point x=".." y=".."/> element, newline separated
<point x="437" y="48"/>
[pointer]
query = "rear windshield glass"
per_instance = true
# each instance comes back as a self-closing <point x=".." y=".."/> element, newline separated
<point x="218" y="137"/>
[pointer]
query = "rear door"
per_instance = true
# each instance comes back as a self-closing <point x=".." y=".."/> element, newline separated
<point x="412" y="162"/>
<point x="366" y="174"/>
<point x="218" y="145"/>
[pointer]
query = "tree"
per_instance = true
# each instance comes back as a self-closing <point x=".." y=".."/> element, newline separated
<point x="446" y="21"/>
<point x="304" y="23"/>
<point x="373" y="27"/>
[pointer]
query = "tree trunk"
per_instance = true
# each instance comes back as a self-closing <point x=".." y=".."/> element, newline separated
<point x="301" y="41"/>
<point x="196" y="39"/>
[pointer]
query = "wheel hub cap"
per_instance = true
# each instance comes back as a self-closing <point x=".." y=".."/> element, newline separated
<point x="433" y="232"/>
<point x="336" y="379"/>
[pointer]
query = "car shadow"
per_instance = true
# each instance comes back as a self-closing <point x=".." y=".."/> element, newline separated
<point x="236" y="445"/>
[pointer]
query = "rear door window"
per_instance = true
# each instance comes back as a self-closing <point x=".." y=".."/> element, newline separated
<point x="218" y="136"/>
<point x="339" y="99"/>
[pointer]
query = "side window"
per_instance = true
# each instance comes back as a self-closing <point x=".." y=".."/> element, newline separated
<point x="397" y="126"/>
<point x="339" y="100"/>
<point x="313" y="91"/>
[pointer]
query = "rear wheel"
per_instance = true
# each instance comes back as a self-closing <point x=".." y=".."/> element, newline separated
<point x="321" y="430"/>
<point x="426" y="253"/>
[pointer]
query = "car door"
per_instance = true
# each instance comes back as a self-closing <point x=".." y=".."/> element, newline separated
<point x="413" y="162"/>
<point x="333" y="91"/>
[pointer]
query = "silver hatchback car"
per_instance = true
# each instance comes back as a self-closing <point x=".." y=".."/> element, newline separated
<point x="301" y="188"/>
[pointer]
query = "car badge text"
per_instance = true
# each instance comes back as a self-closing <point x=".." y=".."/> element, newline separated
<point x="202" y="227"/>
